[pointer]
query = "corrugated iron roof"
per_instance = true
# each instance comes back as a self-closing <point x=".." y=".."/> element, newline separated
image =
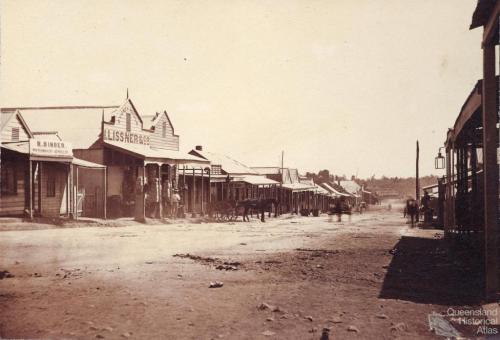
<point x="321" y="190"/>
<point x="350" y="186"/>
<point x="145" y="152"/>
<point x="21" y="147"/>
<point x="255" y="180"/>
<point x="86" y="164"/>
<point x="228" y="164"/>
<point x="298" y="187"/>
<point x="334" y="191"/>
<point x="79" y="125"/>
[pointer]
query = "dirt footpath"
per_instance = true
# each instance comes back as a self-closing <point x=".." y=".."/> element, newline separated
<point x="289" y="278"/>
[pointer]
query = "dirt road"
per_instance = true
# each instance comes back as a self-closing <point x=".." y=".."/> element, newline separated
<point x="288" y="278"/>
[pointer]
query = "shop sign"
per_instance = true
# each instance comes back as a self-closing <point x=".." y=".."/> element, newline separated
<point x="50" y="148"/>
<point x="125" y="136"/>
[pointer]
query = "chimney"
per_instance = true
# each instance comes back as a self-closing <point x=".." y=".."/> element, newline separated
<point x="199" y="148"/>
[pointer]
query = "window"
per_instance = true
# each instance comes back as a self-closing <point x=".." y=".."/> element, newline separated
<point x="51" y="184"/>
<point x="8" y="179"/>
<point x="128" y="122"/>
<point x="15" y="134"/>
<point x="164" y="129"/>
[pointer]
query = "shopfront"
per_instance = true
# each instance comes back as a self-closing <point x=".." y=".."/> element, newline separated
<point x="40" y="175"/>
<point x="142" y="159"/>
<point x="40" y="179"/>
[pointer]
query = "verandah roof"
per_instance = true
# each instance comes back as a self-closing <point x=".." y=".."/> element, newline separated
<point x="255" y="180"/>
<point x="23" y="148"/>
<point x="148" y="153"/>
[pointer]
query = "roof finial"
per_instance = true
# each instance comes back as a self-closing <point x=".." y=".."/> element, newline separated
<point x="127" y="92"/>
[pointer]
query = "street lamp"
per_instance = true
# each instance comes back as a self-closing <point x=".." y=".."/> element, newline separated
<point x="439" y="160"/>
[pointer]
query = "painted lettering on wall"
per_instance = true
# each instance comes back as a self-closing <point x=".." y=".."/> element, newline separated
<point x="50" y="148"/>
<point x="125" y="137"/>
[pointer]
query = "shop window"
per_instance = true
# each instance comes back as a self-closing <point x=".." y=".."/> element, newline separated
<point x="164" y="129"/>
<point x="51" y="184"/>
<point x="15" y="134"/>
<point x="9" y="179"/>
<point x="128" y="122"/>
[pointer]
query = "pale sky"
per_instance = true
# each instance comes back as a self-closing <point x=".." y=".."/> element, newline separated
<point x="344" y="85"/>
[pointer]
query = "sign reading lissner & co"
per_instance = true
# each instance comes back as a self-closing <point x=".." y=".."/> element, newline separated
<point x="50" y="148"/>
<point x="125" y="136"/>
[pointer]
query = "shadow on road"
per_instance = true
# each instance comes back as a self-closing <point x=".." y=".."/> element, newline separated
<point x="425" y="270"/>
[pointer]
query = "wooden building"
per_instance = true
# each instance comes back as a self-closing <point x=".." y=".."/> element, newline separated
<point x="296" y="195"/>
<point x="229" y="179"/>
<point x="37" y="171"/>
<point x="464" y="183"/>
<point x="141" y="155"/>
<point x="472" y="172"/>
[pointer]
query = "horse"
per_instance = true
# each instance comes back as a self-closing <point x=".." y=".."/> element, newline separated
<point x="411" y="210"/>
<point x="260" y="205"/>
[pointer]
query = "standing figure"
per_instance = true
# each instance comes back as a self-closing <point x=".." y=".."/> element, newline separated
<point x="176" y="199"/>
<point x="338" y="209"/>
<point x="166" y="197"/>
<point x="426" y="208"/>
<point x="412" y="210"/>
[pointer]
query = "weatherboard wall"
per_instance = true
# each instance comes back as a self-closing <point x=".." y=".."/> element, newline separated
<point x="164" y="139"/>
<point x="14" y="204"/>
<point x="14" y="123"/>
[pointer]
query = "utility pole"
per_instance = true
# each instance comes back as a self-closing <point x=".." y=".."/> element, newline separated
<point x="281" y="182"/>
<point x="417" y="181"/>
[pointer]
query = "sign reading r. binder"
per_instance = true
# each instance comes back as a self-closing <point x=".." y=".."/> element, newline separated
<point x="40" y="148"/>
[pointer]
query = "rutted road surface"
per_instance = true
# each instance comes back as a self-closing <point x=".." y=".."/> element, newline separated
<point x="287" y="278"/>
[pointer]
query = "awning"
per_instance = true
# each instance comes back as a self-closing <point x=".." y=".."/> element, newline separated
<point x="20" y="147"/>
<point x="24" y="148"/>
<point x="472" y="104"/>
<point x="335" y="192"/>
<point x="86" y="164"/>
<point x="321" y="191"/>
<point x="255" y="180"/>
<point x="148" y="153"/>
<point x="298" y="187"/>
<point x="430" y="186"/>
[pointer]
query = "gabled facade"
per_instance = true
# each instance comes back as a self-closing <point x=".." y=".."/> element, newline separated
<point x="14" y="128"/>
<point x="126" y="126"/>
<point x="163" y="136"/>
<point x="34" y="171"/>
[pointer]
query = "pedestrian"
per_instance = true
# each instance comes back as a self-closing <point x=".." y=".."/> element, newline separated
<point x="154" y="198"/>
<point x="338" y="209"/>
<point x="411" y="210"/>
<point x="176" y="198"/>
<point x="425" y="206"/>
<point x="166" y="197"/>
<point x="147" y="205"/>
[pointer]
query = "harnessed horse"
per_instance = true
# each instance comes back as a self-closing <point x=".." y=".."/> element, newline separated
<point x="411" y="210"/>
<point x="260" y="205"/>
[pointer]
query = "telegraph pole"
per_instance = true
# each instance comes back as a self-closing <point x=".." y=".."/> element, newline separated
<point x="281" y="182"/>
<point x="417" y="181"/>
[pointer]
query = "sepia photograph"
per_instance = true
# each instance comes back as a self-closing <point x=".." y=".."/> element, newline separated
<point x="249" y="169"/>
